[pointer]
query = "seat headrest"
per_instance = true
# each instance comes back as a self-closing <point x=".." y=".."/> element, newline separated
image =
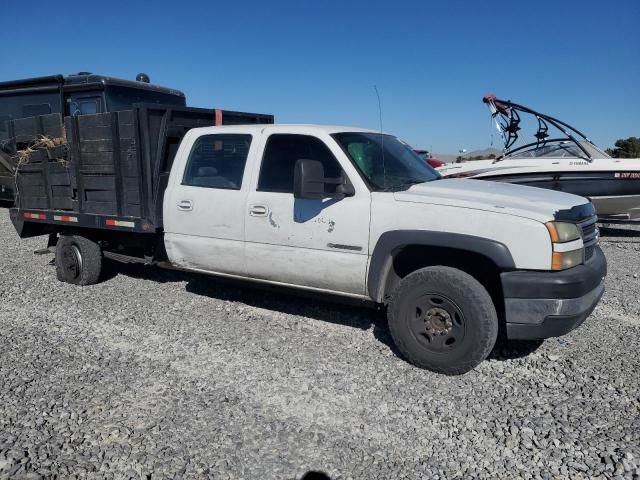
<point x="207" y="172"/>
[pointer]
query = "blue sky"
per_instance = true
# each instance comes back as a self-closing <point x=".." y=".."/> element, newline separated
<point x="317" y="62"/>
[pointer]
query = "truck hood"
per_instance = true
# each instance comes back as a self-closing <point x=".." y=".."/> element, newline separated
<point x="535" y="203"/>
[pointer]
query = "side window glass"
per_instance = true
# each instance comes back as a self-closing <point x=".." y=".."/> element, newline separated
<point x="84" y="105"/>
<point x="281" y="154"/>
<point x="218" y="161"/>
<point x="88" y="107"/>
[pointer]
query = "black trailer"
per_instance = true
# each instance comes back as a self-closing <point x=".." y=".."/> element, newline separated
<point x="29" y="107"/>
<point x="111" y="174"/>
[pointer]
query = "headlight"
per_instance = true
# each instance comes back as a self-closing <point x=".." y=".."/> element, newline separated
<point x="563" y="232"/>
<point x="568" y="249"/>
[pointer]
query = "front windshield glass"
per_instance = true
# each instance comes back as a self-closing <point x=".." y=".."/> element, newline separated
<point x="122" y="98"/>
<point x="563" y="149"/>
<point x="399" y="167"/>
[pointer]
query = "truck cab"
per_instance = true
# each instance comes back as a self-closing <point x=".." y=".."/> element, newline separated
<point x="80" y="94"/>
<point x="356" y="213"/>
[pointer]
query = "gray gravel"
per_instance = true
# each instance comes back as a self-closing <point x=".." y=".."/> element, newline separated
<point x="157" y="374"/>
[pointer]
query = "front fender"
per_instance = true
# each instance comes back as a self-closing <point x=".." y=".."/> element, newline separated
<point x="391" y="242"/>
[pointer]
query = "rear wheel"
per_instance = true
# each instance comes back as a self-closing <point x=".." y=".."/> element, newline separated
<point x="78" y="260"/>
<point x="443" y="319"/>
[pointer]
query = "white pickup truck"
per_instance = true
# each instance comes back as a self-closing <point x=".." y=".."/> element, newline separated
<point x="355" y="213"/>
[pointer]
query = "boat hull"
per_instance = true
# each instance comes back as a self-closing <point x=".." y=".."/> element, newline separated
<point x="627" y="206"/>
<point x="612" y="193"/>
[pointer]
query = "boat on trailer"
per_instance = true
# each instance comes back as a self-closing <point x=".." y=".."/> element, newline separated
<point x="568" y="162"/>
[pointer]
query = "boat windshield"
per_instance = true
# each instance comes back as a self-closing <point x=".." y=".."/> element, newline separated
<point x="386" y="163"/>
<point x="562" y="149"/>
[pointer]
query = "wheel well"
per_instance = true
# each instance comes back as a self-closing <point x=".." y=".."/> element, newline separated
<point x="130" y="244"/>
<point x="410" y="258"/>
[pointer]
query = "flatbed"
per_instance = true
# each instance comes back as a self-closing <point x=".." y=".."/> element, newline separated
<point x="113" y="169"/>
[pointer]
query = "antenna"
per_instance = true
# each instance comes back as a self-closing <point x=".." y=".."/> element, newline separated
<point x="384" y="170"/>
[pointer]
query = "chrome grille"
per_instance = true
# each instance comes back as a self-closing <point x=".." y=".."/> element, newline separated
<point x="590" y="235"/>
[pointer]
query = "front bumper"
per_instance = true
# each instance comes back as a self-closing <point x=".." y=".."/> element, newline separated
<point x="551" y="304"/>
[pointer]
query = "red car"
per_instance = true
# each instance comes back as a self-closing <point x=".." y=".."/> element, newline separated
<point x="429" y="159"/>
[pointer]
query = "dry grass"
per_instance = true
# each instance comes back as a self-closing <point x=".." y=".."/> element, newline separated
<point x="40" y="143"/>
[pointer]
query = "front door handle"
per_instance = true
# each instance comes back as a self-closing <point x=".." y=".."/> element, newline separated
<point x="186" y="205"/>
<point x="258" y="210"/>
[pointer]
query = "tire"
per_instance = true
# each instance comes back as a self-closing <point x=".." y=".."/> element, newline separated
<point x="442" y="319"/>
<point x="78" y="260"/>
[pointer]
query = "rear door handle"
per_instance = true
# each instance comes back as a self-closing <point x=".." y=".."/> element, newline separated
<point x="258" y="210"/>
<point x="186" y="205"/>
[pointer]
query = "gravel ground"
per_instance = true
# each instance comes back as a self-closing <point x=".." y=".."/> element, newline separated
<point x="157" y="374"/>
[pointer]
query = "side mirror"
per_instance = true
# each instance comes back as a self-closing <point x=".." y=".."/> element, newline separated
<point x="309" y="182"/>
<point x="308" y="179"/>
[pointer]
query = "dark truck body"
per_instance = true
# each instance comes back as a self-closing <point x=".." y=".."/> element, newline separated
<point x="112" y="172"/>
<point x="26" y="107"/>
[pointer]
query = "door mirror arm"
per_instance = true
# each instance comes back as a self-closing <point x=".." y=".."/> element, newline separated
<point x="345" y="188"/>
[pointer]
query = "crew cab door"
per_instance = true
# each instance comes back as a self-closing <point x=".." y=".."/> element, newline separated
<point x="321" y="244"/>
<point x="205" y="202"/>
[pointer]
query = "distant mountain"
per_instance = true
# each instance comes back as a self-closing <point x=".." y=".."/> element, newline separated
<point x="484" y="153"/>
<point x="450" y="157"/>
<point x="445" y="157"/>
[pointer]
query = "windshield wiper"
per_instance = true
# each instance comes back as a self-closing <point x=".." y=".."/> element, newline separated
<point x="403" y="185"/>
<point x="412" y="182"/>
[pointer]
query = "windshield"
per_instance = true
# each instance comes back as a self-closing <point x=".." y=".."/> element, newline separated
<point x="399" y="167"/>
<point x="562" y="149"/>
<point x="122" y="98"/>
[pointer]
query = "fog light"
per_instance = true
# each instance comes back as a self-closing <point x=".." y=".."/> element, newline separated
<point x="564" y="260"/>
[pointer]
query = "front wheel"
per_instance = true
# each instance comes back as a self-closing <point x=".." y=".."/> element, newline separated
<point x="78" y="260"/>
<point x="443" y="319"/>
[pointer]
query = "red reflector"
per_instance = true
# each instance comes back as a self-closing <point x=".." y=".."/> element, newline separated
<point x="35" y="216"/>
<point x="111" y="222"/>
<point x="65" y="218"/>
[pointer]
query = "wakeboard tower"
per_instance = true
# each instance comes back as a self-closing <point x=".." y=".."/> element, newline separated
<point x="560" y="157"/>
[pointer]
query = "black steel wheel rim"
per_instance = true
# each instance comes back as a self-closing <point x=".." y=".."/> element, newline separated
<point x="436" y="322"/>
<point x="72" y="261"/>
